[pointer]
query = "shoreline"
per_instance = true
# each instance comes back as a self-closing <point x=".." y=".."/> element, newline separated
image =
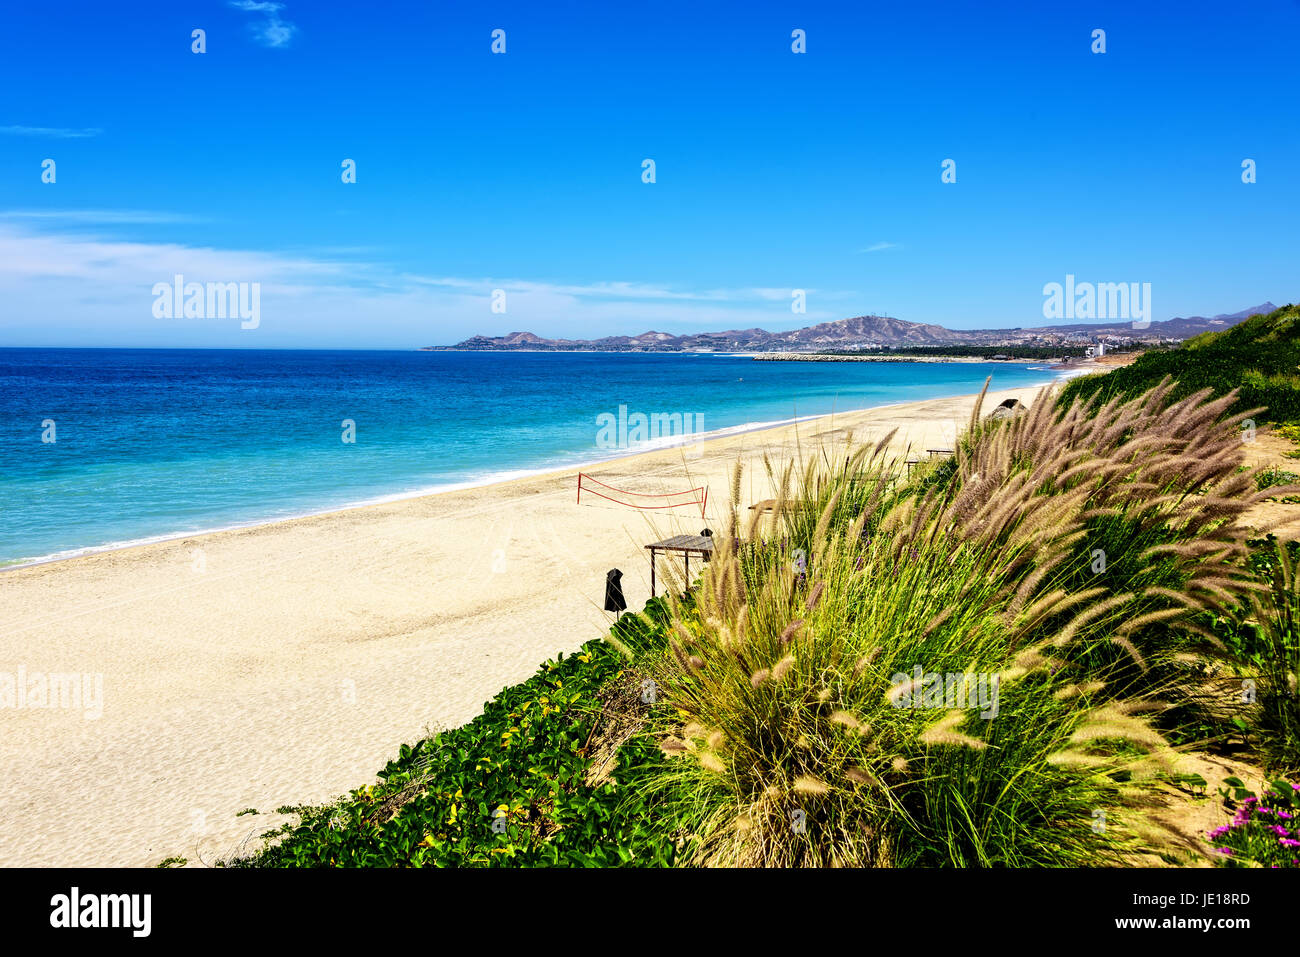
<point x="296" y="657"/>
<point x="1058" y="374"/>
<point x="495" y="478"/>
<point x="849" y="357"/>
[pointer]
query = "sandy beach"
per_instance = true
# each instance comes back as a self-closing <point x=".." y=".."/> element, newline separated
<point x="286" y="663"/>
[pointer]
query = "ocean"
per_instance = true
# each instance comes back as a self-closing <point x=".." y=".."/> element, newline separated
<point x="101" y="448"/>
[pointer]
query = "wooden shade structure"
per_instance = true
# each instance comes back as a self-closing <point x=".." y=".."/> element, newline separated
<point x="684" y="545"/>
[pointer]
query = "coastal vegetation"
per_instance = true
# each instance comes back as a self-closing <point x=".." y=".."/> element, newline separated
<point x="1073" y="558"/>
<point x="1258" y="358"/>
<point x="999" y="659"/>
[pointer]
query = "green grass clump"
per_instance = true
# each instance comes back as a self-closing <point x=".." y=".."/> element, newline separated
<point x="1271" y="650"/>
<point x="792" y="749"/>
<point x="787" y="674"/>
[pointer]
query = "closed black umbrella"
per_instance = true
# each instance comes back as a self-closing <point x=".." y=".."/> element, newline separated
<point x="614" y="600"/>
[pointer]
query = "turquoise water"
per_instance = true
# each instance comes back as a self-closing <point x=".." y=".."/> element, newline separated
<point x="154" y="443"/>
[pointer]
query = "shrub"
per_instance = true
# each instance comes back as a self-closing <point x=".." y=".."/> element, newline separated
<point x="1129" y="510"/>
<point x="786" y="676"/>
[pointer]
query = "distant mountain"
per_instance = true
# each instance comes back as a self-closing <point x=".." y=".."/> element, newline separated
<point x="861" y="332"/>
<point x="1198" y="324"/>
<point x="860" y="329"/>
<point x="1176" y="328"/>
<point x="857" y="332"/>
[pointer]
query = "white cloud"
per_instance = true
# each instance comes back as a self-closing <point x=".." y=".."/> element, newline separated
<point x="105" y="216"/>
<point x="272" y="32"/>
<point x="50" y="131"/>
<point x="877" y="247"/>
<point x="30" y="255"/>
<point x="624" y="291"/>
<point x="84" y="288"/>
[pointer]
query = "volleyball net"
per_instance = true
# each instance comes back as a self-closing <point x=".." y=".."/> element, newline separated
<point x="643" y="500"/>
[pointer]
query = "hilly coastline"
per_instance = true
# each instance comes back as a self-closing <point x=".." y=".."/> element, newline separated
<point x="867" y="332"/>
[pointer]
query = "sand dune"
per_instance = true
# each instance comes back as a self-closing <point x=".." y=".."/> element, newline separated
<point x="285" y="663"/>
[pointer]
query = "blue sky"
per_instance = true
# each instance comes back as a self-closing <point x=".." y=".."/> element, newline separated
<point x="775" y="170"/>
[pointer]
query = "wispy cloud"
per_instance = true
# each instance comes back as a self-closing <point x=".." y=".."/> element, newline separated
<point x="613" y="291"/>
<point x="30" y="255"/>
<point x="105" y="216"/>
<point x="877" y="247"/>
<point x="51" y="132"/>
<point x="62" y="281"/>
<point x="273" y="31"/>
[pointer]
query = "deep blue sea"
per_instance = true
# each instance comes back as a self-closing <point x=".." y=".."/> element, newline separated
<point x="154" y="443"/>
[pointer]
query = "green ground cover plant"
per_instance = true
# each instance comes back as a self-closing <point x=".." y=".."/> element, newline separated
<point x="511" y="788"/>
<point x="1269" y="479"/>
<point x="1291" y="432"/>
